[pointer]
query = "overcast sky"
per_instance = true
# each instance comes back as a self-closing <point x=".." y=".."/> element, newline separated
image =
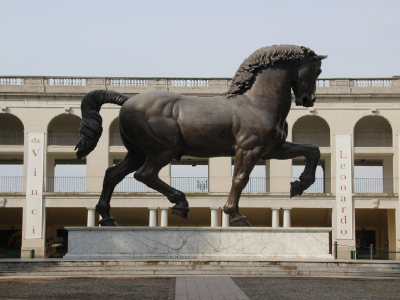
<point x="206" y="38"/>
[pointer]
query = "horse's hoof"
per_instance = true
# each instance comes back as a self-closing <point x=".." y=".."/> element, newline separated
<point x="108" y="222"/>
<point x="295" y="189"/>
<point x="240" y="222"/>
<point x="181" y="211"/>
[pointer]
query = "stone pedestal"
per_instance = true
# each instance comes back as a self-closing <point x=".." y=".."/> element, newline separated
<point x="196" y="243"/>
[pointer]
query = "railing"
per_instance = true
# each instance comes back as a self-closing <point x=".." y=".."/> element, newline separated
<point x="321" y="185"/>
<point x="63" y="138"/>
<point x="67" y="81"/>
<point x="115" y="138"/>
<point x="11" y="184"/>
<point x="16" y="253"/>
<point x="321" y="139"/>
<point x="129" y="82"/>
<point x="130" y="184"/>
<point x="11" y="137"/>
<point x="66" y="184"/>
<point x="373" y="139"/>
<point x="373" y="82"/>
<point x="373" y="185"/>
<point x="11" y="81"/>
<point x="190" y="184"/>
<point x="189" y="82"/>
<point x="257" y="185"/>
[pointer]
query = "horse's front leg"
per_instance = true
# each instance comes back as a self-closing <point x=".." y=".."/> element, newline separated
<point x="245" y="161"/>
<point x="292" y="150"/>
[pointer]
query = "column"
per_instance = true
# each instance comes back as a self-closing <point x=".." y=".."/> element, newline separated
<point x="164" y="216"/>
<point x="220" y="174"/>
<point x="152" y="216"/>
<point x="388" y="174"/>
<point x="91" y="215"/>
<point x="214" y="216"/>
<point x="275" y="216"/>
<point x="225" y="219"/>
<point x="286" y="217"/>
<point x="280" y="174"/>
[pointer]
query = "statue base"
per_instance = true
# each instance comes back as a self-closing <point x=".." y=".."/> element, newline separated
<point x="197" y="243"/>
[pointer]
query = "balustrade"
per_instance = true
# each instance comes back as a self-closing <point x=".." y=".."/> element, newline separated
<point x="321" y="139"/>
<point x="67" y="81"/>
<point x="373" y="185"/>
<point x="11" y="184"/>
<point x="130" y="184"/>
<point x="190" y="184"/>
<point x="11" y="137"/>
<point x="189" y="83"/>
<point x="373" y="139"/>
<point x="66" y="184"/>
<point x="129" y="82"/>
<point x="63" y="138"/>
<point x="257" y="185"/>
<point x="115" y="138"/>
<point x="321" y="185"/>
<point x="11" y="81"/>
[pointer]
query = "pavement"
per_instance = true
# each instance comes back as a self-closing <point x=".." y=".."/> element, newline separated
<point x="207" y="288"/>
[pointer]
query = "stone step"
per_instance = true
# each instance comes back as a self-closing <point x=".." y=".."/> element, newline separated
<point x="192" y="267"/>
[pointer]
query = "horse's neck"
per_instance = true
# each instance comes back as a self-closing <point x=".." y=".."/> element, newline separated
<point x="272" y="88"/>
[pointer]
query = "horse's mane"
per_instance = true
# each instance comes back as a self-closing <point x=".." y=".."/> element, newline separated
<point x="264" y="57"/>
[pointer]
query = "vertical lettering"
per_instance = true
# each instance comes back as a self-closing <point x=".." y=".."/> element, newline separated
<point x="341" y="155"/>
<point x="34" y="192"/>
<point x="342" y="199"/>
<point x="343" y="231"/>
<point x="343" y="220"/>
<point x="343" y="208"/>
<point x="33" y="229"/>
<point x="34" y="172"/>
<point x="343" y="177"/>
<point x="34" y="153"/>
<point x="342" y="166"/>
<point x="343" y="188"/>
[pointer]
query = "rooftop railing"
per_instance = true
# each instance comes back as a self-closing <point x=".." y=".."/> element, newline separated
<point x="66" y="184"/>
<point x="373" y="185"/>
<point x="75" y="82"/>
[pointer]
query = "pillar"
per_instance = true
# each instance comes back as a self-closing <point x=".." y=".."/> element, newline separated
<point x="214" y="216"/>
<point x="280" y="174"/>
<point x="286" y="217"/>
<point x="164" y="216"/>
<point x="91" y="215"/>
<point x="275" y="216"/>
<point x="152" y="216"/>
<point x="220" y="174"/>
<point x="388" y="174"/>
<point x="225" y="219"/>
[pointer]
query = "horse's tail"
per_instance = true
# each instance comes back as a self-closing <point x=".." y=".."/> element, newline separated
<point x="91" y="128"/>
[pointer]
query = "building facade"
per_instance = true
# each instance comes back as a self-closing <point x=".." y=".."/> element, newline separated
<point x="355" y="122"/>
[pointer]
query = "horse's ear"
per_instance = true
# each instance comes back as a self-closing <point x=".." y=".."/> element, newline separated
<point x="321" y="57"/>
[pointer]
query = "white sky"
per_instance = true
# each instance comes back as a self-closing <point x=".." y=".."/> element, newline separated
<point x="208" y="38"/>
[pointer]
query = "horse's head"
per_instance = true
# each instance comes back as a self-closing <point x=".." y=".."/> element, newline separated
<point x="304" y="84"/>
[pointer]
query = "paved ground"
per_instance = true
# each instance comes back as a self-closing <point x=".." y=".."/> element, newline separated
<point x="199" y="287"/>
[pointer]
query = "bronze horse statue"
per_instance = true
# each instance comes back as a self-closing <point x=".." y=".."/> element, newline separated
<point x="247" y="122"/>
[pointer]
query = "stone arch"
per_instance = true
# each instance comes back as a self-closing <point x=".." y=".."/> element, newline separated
<point x="115" y="138"/>
<point x="63" y="130"/>
<point x="311" y="130"/>
<point x="12" y="130"/>
<point x="373" y="131"/>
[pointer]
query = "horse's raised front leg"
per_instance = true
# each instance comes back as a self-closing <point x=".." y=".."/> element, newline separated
<point x="292" y="150"/>
<point x="113" y="176"/>
<point x="148" y="174"/>
<point x="245" y="161"/>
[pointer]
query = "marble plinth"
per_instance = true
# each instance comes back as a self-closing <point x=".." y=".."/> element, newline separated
<point x="196" y="243"/>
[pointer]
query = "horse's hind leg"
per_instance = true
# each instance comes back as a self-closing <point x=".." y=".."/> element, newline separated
<point x="292" y="150"/>
<point x="148" y="174"/>
<point x="113" y="176"/>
